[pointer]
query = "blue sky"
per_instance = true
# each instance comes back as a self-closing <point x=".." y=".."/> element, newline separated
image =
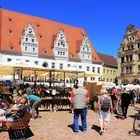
<point x="105" y="21"/>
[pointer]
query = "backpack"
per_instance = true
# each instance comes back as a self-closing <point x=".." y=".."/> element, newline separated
<point x="105" y="104"/>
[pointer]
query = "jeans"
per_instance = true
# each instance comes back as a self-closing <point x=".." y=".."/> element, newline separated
<point x="124" y="109"/>
<point x="83" y="113"/>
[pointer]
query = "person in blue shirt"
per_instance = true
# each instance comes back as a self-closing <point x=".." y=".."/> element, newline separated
<point x="34" y="101"/>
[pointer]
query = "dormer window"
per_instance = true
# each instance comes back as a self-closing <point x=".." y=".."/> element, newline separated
<point x="11" y="47"/>
<point x="45" y="52"/>
<point x="61" y="46"/>
<point x="9" y="20"/>
<point x="40" y="36"/>
<point x="72" y="56"/>
<point x="29" y="42"/>
<point x="85" y="50"/>
<point x="37" y="25"/>
<point x="10" y="31"/>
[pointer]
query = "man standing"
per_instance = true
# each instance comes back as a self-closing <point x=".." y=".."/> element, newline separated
<point x="125" y="101"/>
<point x="80" y="98"/>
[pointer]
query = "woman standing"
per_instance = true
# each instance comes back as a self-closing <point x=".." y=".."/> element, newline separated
<point x="104" y="105"/>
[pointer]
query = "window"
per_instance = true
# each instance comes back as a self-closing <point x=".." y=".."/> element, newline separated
<point x="85" y="79"/>
<point x="122" y="70"/>
<point x="11" y="47"/>
<point x="80" y="67"/>
<point x="104" y="71"/>
<point x="25" y="48"/>
<point x="32" y="40"/>
<point x="139" y="56"/>
<point x="138" y="68"/>
<point x="26" y="39"/>
<point x="127" y="58"/>
<point x="87" y="68"/>
<point x="130" y="69"/>
<point x="131" y="58"/>
<point x="138" y="45"/>
<point x="9" y="59"/>
<point x="132" y="47"/>
<point x="92" y="78"/>
<point x="98" y="70"/>
<point x="53" y="65"/>
<point x="27" y="60"/>
<point x="10" y="31"/>
<point x="107" y="71"/>
<point x="110" y="71"/>
<point x="61" y="66"/>
<point x="68" y="65"/>
<point x="36" y="62"/>
<point x="93" y="69"/>
<point x="114" y="71"/>
<point x="127" y="69"/>
<point x="40" y="36"/>
<point x="9" y="20"/>
<point x="122" y="59"/>
<point x="45" y="52"/>
<point x="33" y="49"/>
<point x="37" y="25"/>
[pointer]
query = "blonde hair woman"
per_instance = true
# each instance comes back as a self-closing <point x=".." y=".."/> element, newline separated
<point x="104" y="105"/>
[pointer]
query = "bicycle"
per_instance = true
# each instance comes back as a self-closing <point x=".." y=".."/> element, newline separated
<point x="136" y="124"/>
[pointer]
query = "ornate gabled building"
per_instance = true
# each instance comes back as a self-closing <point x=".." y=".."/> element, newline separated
<point x="46" y="43"/>
<point x="129" y="56"/>
<point x="110" y="68"/>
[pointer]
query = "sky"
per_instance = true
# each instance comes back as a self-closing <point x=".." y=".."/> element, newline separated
<point x="105" y="21"/>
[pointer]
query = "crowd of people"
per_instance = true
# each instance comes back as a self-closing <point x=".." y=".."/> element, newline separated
<point x="108" y="101"/>
<point x="20" y="98"/>
<point x="15" y="100"/>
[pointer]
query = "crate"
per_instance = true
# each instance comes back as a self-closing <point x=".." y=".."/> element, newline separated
<point x="21" y="123"/>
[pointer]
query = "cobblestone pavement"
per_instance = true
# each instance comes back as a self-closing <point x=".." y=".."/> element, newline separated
<point x="58" y="126"/>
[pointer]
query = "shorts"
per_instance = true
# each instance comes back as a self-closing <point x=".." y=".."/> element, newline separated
<point x="104" y="116"/>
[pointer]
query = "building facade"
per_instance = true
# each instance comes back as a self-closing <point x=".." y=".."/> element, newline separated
<point x="129" y="56"/>
<point x="110" y="68"/>
<point x="46" y="43"/>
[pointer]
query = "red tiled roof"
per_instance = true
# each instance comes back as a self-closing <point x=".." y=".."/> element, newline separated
<point x="108" y="60"/>
<point x="46" y="28"/>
